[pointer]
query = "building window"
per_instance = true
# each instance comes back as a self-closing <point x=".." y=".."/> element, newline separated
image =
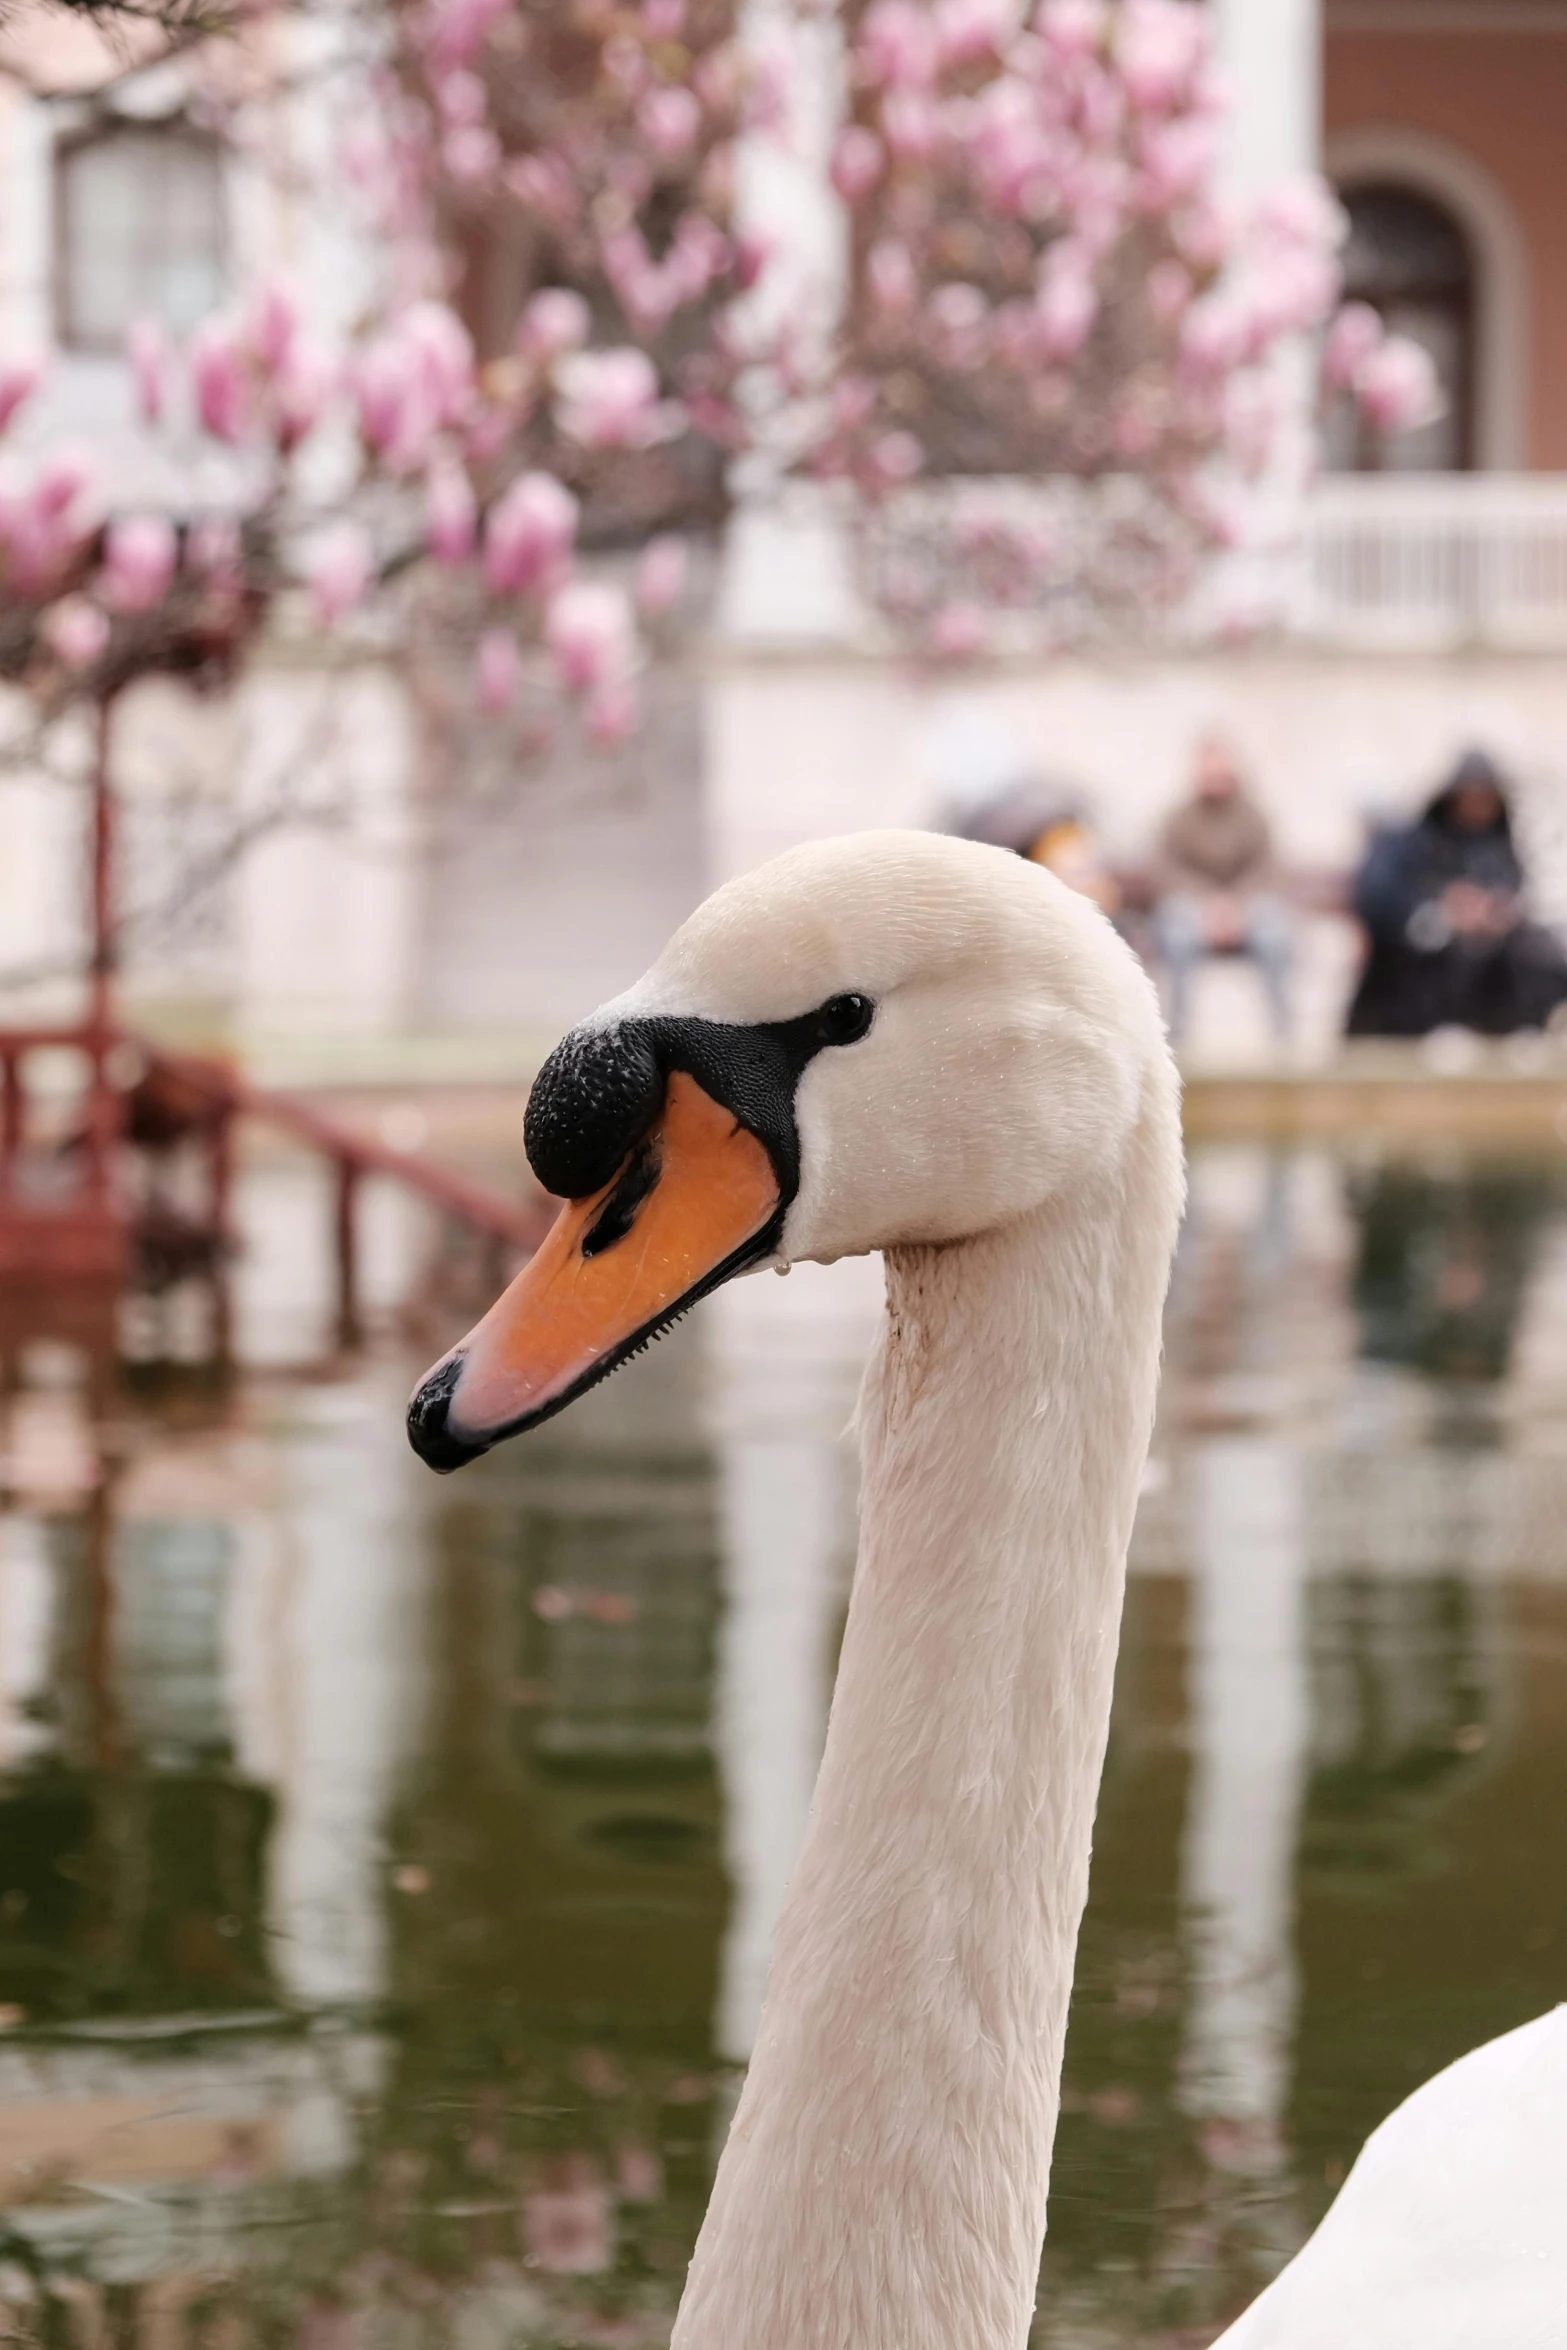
<point x="141" y="233"/>
<point x="1410" y="259"/>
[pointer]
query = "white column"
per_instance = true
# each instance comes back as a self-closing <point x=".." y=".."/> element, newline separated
<point x="1250" y="1723"/>
<point x="785" y="1361"/>
<point x="786" y="578"/>
<point x="1271" y="51"/>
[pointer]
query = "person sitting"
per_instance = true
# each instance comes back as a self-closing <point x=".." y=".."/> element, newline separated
<point x="1215" y="885"/>
<point x="1449" y="941"/>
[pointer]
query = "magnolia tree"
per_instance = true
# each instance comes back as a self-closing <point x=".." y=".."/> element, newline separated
<point x="1044" y="283"/>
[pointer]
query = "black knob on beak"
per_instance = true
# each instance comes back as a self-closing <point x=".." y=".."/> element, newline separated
<point x="592" y="1102"/>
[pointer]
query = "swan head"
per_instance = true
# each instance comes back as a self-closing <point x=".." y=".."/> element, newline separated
<point x="885" y="1039"/>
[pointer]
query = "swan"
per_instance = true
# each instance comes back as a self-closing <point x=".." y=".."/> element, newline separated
<point x="931" y="1048"/>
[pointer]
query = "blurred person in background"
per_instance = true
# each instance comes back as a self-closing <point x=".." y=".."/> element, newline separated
<point x="1048" y="824"/>
<point x="1215" y="885"/>
<point x="1449" y="941"/>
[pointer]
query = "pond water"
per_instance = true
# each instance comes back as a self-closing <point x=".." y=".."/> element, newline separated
<point x="387" y="1865"/>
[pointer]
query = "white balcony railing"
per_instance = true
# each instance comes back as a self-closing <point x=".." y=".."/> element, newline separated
<point x="1421" y="562"/>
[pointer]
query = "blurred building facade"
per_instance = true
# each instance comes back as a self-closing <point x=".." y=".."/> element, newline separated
<point x="1420" y="605"/>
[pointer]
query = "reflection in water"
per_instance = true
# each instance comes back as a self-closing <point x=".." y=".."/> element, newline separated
<point x="388" y="1867"/>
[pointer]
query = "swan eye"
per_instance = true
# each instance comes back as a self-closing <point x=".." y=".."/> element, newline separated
<point x="843" y="1019"/>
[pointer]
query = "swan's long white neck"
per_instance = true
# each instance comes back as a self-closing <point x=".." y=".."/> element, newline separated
<point x="884" y="2183"/>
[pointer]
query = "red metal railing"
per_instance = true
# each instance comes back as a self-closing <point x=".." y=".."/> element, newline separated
<point x="83" y="1228"/>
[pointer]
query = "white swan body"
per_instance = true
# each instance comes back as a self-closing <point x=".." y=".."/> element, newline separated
<point x="1450" y="2232"/>
<point x="922" y="1046"/>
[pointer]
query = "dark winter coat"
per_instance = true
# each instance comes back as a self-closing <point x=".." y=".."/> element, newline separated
<point x="1420" y="974"/>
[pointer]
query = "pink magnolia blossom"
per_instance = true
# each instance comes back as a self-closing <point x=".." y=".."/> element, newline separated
<point x="220" y="380"/>
<point x="454" y="30"/>
<point x="462" y="97"/>
<point x="959" y="317"/>
<point x="669" y="118"/>
<point x="665" y="19"/>
<point x="1176" y="160"/>
<point x="1073" y="28"/>
<point x="568" y="2223"/>
<point x="608" y="399"/>
<point x="1067" y="303"/>
<point x="1169" y="290"/>
<point x="147" y="351"/>
<point x="1302" y="211"/>
<point x="1397" y="386"/>
<point x="897" y="47"/>
<point x="970" y="29"/>
<point x="450" y="514"/>
<point x="339" y="572"/>
<point x="611" y="715"/>
<point x="957" y="632"/>
<point x="912" y="123"/>
<point x="895" y="459"/>
<point x="217" y="549"/>
<point x="19" y="379"/>
<point x="890" y="274"/>
<point x="140" y="558"/>
<point x="274" y="324"/>
<point x="554" y="322"/>
<point x="661" y="575"/>
<point x="497" y="670"/>
<point x="590" y="634"/>
<point x="1160" y="46"/>
<point x="77" y="632"/>
<point x="300" y="392"/>
<point x="1356" y="332"/>
<point x="528" y="536"/>
<point x="857" y="160"/>
<point x="471" y="153"/>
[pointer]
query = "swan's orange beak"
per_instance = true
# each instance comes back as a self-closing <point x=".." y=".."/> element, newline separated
<point x="691" y="1204"/>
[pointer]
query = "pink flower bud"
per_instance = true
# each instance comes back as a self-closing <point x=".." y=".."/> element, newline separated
<point x="301" y="389"/>
<point x="1073" y="28"/>
<point x="1169" y="290"/>
<point x="665" y="19"/>
<point x="217" y="370"/>
<point x="455" y="29"/>
<point x="274" y="323"/>
<point x="471" y="154"/>
<point x="911" y="122"/>
<point x="450" y="514"/>
<point x="1160" y="46"/>
<point x="897" y="45"/>
<point x="661" y="575"/>
<point x="1397" y="386"/>
<point x="461" y="97"/>
<point x="528" y="536"/>
<point x="669" y="119"/>
<point x="77" y="632"/>
<point x="608" y="399"/>
<point x="957" y="632"/>
<point x="339" y="571"/>
<point x="889" y="272"/>
<point x="612" y="713"/>
<point x="18" y="381"/>
<point x="1354" y="335"/>
<point x="1067" y="303"/>
<point x="1302" y="211"/>
<point x="217" y="549"/>
<point x="857" y="159"/>
<point x="896" y="458"/>
<point x="140" y="556"/>
<point x="554" y="322"/>
<point x="147" y="350"/>
<point x="589" y="632"/>
<point x="497" y="670"/>
<point x="970" y="29"/>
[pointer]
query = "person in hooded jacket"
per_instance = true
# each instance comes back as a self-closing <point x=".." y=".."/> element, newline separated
<point x="1449" y="940"/>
